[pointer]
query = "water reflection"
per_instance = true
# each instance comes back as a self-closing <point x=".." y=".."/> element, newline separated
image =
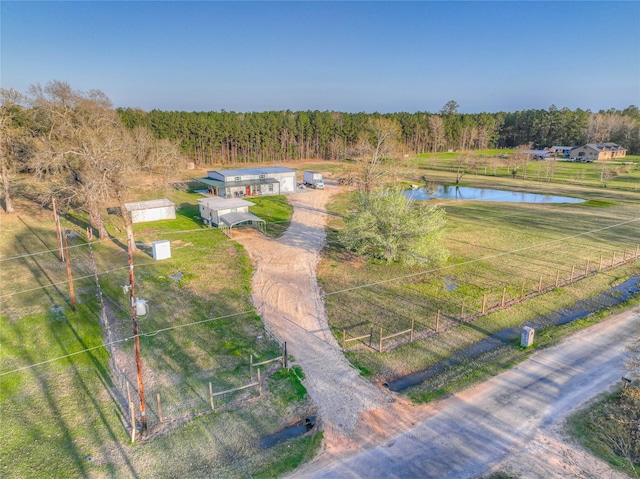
<point x="486" y="194"/>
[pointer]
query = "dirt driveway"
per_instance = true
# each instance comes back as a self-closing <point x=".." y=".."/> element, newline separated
<point x="355" y="415"/>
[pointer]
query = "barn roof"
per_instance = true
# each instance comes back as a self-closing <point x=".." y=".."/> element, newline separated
<point x="218" y="203"/>
<point x="254" y="171"/>
<point x="146" y="205"/>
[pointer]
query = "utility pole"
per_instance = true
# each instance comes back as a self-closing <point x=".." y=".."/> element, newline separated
<point x="136" y="341"/>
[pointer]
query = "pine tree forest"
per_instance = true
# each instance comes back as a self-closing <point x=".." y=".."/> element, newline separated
<point x="229" y="138"/>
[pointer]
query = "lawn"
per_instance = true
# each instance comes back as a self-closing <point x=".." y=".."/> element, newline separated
<point x="496" y="250"/>
<point x="65" y="412"/>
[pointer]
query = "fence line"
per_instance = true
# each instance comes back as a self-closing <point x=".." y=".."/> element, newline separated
<point x="576" y="274"/>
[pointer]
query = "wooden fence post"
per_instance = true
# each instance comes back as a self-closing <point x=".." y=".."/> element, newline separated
<point x="504" y="296"/>
<point x="371" y="336"/>
<point x="540" y="286"/>
<point x="344" y="338"/>
<point x="128" y="391"/>
<point x="412" y="324"/>
<point x="586" y="269"/>
<point x="159" y="407"/>
<point x="380" y="344"/>
<point x="133" y="422"/>
<point x="557" y="278"/>
<point x="462" y="312"/>
<point x="251" y="367"/>
<point x="573" y="269"/>
<point x="285" y="359"/>
<point x="438" y="321"/>
<point x="211" y="396"/>
<point x="484" y="304"/>
<point x="259" y="383"/>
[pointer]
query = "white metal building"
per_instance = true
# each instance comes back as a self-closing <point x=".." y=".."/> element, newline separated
<point x="152" y="210"/>
<point x="226" y="213"/>
<point x="249" y="182"/>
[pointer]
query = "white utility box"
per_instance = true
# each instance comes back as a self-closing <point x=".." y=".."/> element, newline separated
<point x="161" y="249"/>
<point x="526" y="339"/>
<point x="141" y="307"/>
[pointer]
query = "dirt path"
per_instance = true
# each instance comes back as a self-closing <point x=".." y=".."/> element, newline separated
<point x="286" y="294"/>
<point x="367" y="429"/>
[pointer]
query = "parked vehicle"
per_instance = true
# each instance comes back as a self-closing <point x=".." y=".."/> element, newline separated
<point x="313" y="179"/>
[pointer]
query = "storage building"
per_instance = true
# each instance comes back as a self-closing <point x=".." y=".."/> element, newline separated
<point x="153" y="210"/>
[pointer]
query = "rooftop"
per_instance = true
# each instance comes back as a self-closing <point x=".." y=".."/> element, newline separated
<point x="253" y="171"/>
<point x="218" y="203"/>
<point x="145" y="205"/>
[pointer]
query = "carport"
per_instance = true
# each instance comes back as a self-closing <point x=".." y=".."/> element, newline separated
<point x="229" y="220"/>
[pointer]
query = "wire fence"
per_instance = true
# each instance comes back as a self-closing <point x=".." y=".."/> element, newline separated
<point x="366" y="334"/>
<point x="166" y="407"/>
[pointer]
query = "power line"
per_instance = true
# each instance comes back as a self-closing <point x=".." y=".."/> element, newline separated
<point x="153" y="333"/>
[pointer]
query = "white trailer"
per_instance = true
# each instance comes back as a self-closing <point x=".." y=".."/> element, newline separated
<point x="313" y="179"/>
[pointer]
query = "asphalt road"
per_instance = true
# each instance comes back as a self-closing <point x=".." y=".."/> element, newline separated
<point x="498" y="420"/>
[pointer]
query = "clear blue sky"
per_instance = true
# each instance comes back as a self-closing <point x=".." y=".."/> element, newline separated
<point x="345" y="56"/>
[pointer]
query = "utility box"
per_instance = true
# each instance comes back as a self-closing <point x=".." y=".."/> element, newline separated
<point x="526" y="340"/>
<point x="141" y="307"/>
<point x="161" y="249"/>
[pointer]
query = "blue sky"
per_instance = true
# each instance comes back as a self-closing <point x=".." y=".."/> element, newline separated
<point x="345" y="56"/>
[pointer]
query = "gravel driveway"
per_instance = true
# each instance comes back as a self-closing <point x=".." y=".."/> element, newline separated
<point x="286" y="294"/>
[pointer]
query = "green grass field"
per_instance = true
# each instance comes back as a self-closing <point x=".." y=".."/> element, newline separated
<point x="495" y="249"/>
<point x="65" y="414"/>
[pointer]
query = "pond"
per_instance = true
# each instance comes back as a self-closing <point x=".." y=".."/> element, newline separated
<point x="486" y="194"/>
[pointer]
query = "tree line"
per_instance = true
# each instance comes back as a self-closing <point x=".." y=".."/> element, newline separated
<point x="223" y="137"/>
<point x="78" y="148"/>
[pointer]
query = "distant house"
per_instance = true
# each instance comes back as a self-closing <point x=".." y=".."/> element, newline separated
<point x="226" y="213"/>
<point x="561" y="150"/>
<point x="598" y="151"/>
<point x="153" y="210"/>
<point x="537" y="154"/>
<point x="250" y="182"/>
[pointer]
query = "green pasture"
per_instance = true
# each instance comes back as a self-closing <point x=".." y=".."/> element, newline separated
<point x="64" y="412"/>
<point x="496" y="249"/>
<point x="623" y="174"/>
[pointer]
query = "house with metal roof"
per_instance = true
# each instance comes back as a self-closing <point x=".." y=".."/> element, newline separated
<point x="598" y="151"/>
<point x="226" y="213"/>
<point x="249" y="182"/>
<point x="152" y="210"/>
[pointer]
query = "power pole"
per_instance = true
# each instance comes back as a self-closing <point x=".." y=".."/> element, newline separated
<point x="136" y="341"/>
<point x="69" y="274"/>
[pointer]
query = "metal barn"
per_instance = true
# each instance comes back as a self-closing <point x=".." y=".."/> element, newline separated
<point x="249" y="182"/>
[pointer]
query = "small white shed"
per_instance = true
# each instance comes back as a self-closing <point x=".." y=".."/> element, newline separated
<point x="152" y="210"/>
<point x="228" y="212"/>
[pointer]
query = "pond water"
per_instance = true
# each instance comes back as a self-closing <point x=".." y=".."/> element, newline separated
<point x="485" y="194"/>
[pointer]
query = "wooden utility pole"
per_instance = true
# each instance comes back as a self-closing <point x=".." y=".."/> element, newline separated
<point x="69" y="274"/>
<point x="136" y="340"/>
<point x="56" y="220"/>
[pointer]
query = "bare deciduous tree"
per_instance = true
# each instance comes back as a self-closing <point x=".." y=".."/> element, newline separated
<point x="379" y="143"/>
<point x="15" y="144"/>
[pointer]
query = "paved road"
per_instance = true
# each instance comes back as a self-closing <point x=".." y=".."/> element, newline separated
<point x="512" y="418"/>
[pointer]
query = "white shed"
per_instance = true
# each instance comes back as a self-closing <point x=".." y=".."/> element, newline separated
<point x="228" y="212"/>
<point x="152" y="210"/>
